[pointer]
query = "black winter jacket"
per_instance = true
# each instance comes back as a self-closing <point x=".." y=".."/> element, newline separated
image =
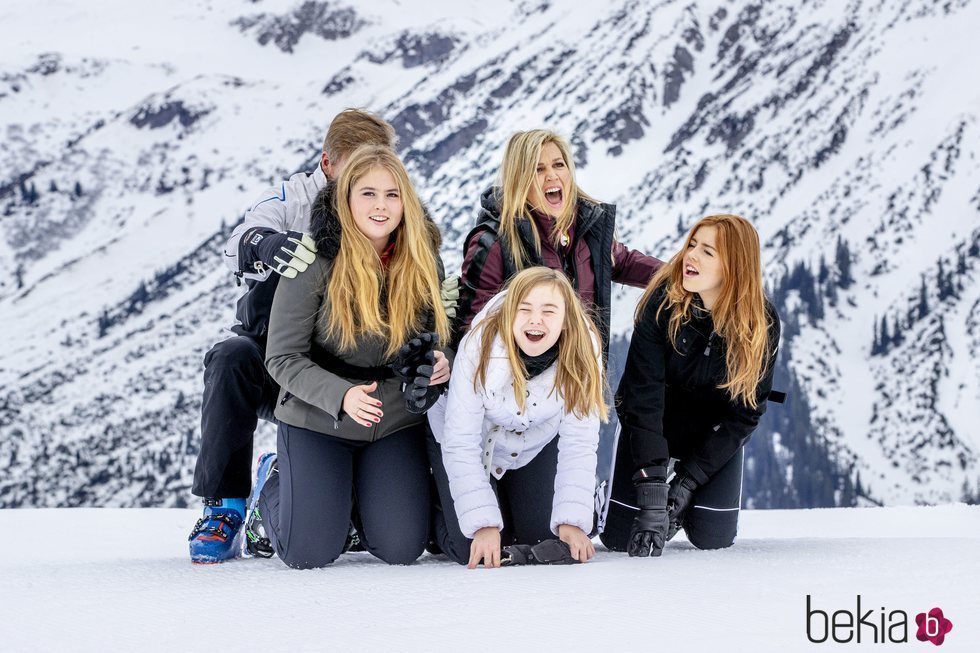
<point x="669" y="403"/>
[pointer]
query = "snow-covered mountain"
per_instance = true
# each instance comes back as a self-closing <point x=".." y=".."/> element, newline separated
<point x="135" y="133"/>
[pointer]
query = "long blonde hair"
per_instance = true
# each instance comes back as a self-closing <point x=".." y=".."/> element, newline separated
<point x="410" y="285"/>
<point x="739" y="314"/>
<point x="518" y="175"/>
<point x="579" y="375"/>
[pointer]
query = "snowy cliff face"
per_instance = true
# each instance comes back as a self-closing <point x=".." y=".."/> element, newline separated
<point x="134" y="136"/>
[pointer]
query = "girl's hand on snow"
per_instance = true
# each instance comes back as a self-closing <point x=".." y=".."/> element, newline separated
<point x="485" y="547"/>
<point x="578" y="542"/>
<point x="361" y="406"/>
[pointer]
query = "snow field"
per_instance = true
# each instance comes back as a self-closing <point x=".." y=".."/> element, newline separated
<point x="114" y="579"/>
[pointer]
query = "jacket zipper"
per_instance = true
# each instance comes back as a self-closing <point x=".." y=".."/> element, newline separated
<point x="707" y="350"/>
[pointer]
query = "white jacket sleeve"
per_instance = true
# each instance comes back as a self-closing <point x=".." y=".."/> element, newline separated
<point x="462" y="447"/>
<point x="578" y="440"/>
<point x="268" y="211"/>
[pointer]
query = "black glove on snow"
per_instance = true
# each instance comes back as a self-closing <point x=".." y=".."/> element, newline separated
<point x="649" y="531"/>
<point x="287" y="253"/>
<point x="546" y="552"/>
<point x="679" y="499"/>
<point x="413" y="365"/>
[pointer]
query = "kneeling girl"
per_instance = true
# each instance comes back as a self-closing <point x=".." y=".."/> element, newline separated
<point x="514" y="443"/>
<point x="346" y="431"/>
<point x="698" y="375"/>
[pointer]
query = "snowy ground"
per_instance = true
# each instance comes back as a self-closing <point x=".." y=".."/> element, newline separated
<point x="105" y="579"/>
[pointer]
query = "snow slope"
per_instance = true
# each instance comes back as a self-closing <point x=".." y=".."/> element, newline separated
<point x="119" y="579"/>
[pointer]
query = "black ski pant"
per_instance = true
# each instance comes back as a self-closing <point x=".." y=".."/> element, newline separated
<point x="237" y="392"/>
<point x="711" y="521"/>
<point x="306" y="506"/>
<point x="525" y="497"/>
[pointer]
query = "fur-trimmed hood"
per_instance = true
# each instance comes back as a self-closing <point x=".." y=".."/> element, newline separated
<point x="326" y="230"/>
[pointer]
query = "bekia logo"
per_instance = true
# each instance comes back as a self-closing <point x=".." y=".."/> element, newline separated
<point x="871" y="626"/>
<point x="932" y="626"/>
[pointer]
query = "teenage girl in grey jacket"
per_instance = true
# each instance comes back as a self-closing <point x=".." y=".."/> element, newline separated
<point x="346" y="431"/>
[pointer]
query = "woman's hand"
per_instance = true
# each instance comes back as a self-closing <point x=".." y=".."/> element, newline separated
<point x="578" y="542"/>
<point x="361" y="406"/>
<point x="486" y="547"/>
<point x="440" y="370"/>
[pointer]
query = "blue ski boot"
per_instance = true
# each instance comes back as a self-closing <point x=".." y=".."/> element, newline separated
<point x="215" y="536"/>
<point x="256" y="543"/>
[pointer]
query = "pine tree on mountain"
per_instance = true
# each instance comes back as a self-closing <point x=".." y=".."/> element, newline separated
<point x="28" y="194"/>
<point x="104" y="323"/>
<point x="52" y="187"/>
<point x="823" y="272"/>
<point x="966" y="495"/>
<point x="139" y="299"/>
<point x="884" y="340"/>
<point x="78" y="189"/>
<point x="843" y="262"/>
<point x="816" y="304"/>
<point x="898" y="334"/>
<point x="923" y="307"/>
<point x="19" y="275"/>
<point x="876" y="337"/>
<point x="941" y="282"/>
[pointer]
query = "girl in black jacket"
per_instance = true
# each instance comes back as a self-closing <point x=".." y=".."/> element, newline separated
<point x="697" y="378"/>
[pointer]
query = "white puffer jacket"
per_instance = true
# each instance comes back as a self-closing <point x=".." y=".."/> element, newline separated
<point x="483" y="433"/>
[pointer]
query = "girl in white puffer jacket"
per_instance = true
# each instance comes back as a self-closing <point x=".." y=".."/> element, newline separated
<point x="514" y="442"/>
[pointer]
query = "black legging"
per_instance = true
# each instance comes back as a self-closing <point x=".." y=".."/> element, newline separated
<point x="711" y="522"/>
<point x="306" y="507"/>
<point x="525" y="497"/>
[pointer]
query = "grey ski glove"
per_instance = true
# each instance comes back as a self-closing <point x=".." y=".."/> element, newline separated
<point x="450" y="296"/>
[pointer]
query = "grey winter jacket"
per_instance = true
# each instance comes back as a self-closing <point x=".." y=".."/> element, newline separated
<point x="311" y="396"/>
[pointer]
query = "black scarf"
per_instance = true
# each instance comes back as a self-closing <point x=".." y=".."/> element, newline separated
<point x="537" y="364"/>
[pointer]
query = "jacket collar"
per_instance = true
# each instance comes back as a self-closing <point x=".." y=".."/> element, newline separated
<point x="325" y="225"/>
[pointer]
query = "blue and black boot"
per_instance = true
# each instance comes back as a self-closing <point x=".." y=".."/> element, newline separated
<point x="215" y="536"/>
<point x="256" y="542"/>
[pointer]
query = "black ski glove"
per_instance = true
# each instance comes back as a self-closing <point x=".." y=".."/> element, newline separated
<point x="649" y="532"/>
<point x="412" y="354"/>
<point x="420" y="395"/>
<point x="546" y="552"/>
<point x="679" y="499"/>
<point x="286" y="253"/>
<point x="413" y="365"/>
